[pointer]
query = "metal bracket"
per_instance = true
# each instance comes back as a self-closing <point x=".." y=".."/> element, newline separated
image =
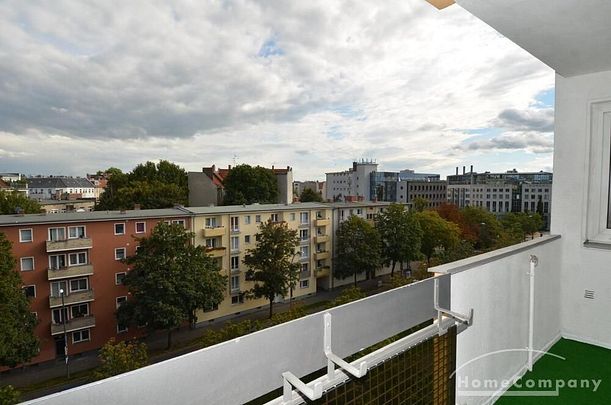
<point x="333" y="359"/>
<point x="290" y="381"/>
<point x="465" y="319"/>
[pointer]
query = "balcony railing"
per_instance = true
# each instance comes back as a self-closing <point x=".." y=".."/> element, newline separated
<point x="218" y="251"/>
<point x="72" y="298"/>
<point x="71" y="271"/>
<point x="322" y="238"/>
<point x="73" y="324"/>
<point x="305" y="274"/>
<point x="214" y="231"/>
<point x="321" y="255"/>
<point x="69" y="244"/>
<point x="322" y="271"/>
<point x="322" y="222"/>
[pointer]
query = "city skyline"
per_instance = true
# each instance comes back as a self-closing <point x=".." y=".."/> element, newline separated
<point x="311" y="86"/>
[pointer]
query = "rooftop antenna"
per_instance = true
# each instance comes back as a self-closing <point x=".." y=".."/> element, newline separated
<point x="235" y="159"/>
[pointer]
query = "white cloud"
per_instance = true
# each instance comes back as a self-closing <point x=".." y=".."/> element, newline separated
<point x="87" y="85"/>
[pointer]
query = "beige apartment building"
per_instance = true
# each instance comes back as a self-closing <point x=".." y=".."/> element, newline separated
<point x="228" y="232"/>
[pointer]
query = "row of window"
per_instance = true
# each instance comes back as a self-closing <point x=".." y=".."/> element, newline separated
<point x="61" y="261"/>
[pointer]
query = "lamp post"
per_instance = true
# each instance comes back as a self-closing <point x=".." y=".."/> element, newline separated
<point x="64" y="316"/>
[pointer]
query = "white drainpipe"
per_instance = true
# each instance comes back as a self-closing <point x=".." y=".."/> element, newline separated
<point x="534" y="261"/>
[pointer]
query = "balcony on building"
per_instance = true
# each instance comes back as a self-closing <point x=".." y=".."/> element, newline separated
<point x="322" y="271"/>
<point x="210" y="232"/>
<point x="322" y="255"/>
<point x="322" y="222"/>
<point x="70" y="271"/>
<point x="69" y="244"/>
<point x="73" y="324"/>
<point x="72" y="298"/>
<point x="218" y="251"/>
<point x="321" y="238"/>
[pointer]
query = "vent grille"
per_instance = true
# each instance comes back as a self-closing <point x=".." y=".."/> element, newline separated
<point x="589" y="294"/>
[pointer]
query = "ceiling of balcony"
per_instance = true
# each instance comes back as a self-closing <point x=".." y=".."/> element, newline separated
<point x="571" y="36"/>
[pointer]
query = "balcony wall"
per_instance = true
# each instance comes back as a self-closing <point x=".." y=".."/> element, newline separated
<point x="496" y="286"/>
<point x="322" y="255"/>
<point x="212" y="232"/>
<point x="69" y="244"/>
<point x="322" y="238"/>
<point x="73" y="324"/>
<point x="322" y="222"/>
<point x="216" y="252"/>
<point x="72" y="271"/>
<point x="73" y="298"/>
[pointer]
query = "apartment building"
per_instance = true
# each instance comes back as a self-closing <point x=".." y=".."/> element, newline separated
<point x="79" y="254"/>
<point x="314" y="185"/>
<point x="57" y="188"/>
<point x="206" y="187"/>
<point x="501" y="193"/>
<point x="228" y="232"/>
<point x="433" y="191"/>
<point x="352" y="184"/>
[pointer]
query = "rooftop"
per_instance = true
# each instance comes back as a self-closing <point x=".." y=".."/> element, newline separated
<point x="8" y="220"/>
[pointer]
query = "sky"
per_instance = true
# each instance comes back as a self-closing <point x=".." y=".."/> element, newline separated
<point x="87" y="85"/>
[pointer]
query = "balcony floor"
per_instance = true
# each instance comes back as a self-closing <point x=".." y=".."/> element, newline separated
<point x="583" y="362"/>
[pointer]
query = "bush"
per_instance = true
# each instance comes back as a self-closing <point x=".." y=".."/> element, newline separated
<point x="348" y="295"/>
<point x="398" y="280"/>
<point x="9" y="395"/>
<point x="231" y="330"/>
<point x="294" y="313"/>
<point x="121" y="357"/>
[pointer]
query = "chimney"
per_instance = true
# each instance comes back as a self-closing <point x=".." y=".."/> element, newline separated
<point x="471" y="169"/>
<point x="229" y="167"/>
<point x="272" y="167"/>
<point x="464" y="169"/>
<point x="137" y="207"/>
<point x="457" y="170"/>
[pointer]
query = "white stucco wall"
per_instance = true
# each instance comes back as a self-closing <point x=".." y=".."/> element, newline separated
<point x="582" y="268"/>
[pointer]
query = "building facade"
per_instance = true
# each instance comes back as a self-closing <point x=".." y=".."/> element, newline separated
<point x="314" y="185"/>
<point x="60" y="188"/>
<point x="206" y="187"/>
<point x="433" y="191"/>
<point x="79" y="253"/>
<point x="352" y="184"/>
<point x="501" y="193"/>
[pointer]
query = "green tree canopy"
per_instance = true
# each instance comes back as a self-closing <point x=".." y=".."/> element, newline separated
<point x="121" y="357"/>
<point x="520" y="224"/>
<point x="488" y="229"/>
<point x="11" y="201"/>
<point x="245" y="184"/>
<point x="18" y="343"/>
<point x="270" y="263"/>
<point x="358" y="249"/>
<point x="170" y="279"/>
<point x="400" y="234"/>
<point x="150" y="185"/>
<point x="309" y="195"/>
<point x="437" y="233"/>
<point x="420" y="204"/>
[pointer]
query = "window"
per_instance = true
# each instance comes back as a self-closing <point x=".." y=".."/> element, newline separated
<point x="76" y="232"/>
<point x="80" y="310"/>
<point x="119" y="253"/>
<point x="179" y="222"/>
<point x="80" y="336"/>
<point x="58" y="286"/>
<point x="211" y="307"/>
<point x="76" y="259"/>
<point x="304" y="283"/>
<point x="303" y="234"/>
<point x="237" y="299"/>
<point x="56" y="234"/>
<point x="27" y="263"/>
<point x="119" y="229"/>
<point x="210" y="223"/>
<point x="120" y="301"/>
<point x="304" y="217"/>
<point x="292" y="216"/>
<point x="304" y="251"/>
<point x="235" y="283"/>
<point x="235" y="224"/>
<point x="211" y="242"/>
<point x="140" y="227"/>
<point x="258" y="219"/>
<point x="57" y="262"/>
<point x="80" y="284"/>
<point x="235" y="243"/>
<point x="119" y="277"/>
<point x="246" y="238"/>
<point x="25" y="235"/>
<point x="30" y="291"/>
<point x="304" y="267"/>
<point x="58" y="315"/>
<point x="273" y="217"/>
<point x="235" y="262"/>
<point x="247" y="220"/>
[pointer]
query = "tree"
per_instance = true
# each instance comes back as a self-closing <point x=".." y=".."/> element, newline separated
<point x="169" y="281"/>
<point x="437" y="233"/>
<point x="270" y="263"/>
<point x="487" y="228"/>
<point x="400" y="234"/>
<point x="420" y="204"/>
<point x="13" y="201"/>
<point x="358" y="249"/>
<point x="245" y="184"/>
<point x="150" y="185"/>
<point x="120" y="357"/>
<point x="521" y="224"/>
<point x="309" y="195"/>
<point x="18" y="343"/>
<point x="9" y="395"/>
<point x="450" y="212"/>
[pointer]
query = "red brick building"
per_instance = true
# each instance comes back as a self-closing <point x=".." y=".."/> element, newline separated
<point x="79" y="253"/>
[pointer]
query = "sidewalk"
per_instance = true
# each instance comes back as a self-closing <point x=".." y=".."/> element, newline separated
<point x="156" y="342"/>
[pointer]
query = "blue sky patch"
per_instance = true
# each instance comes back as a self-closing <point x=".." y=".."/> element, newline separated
<point x="545" y="99"/>
<point x="270" y="48"/>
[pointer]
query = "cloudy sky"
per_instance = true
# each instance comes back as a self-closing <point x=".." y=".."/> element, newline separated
<point x="313" y="84"/>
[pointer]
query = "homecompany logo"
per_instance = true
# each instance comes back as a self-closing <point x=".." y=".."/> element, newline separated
<point x="521" y="387"/>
